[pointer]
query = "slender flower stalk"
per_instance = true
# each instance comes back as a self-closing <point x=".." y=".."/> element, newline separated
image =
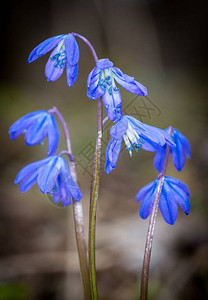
<point x="93" y="202"/>
<point x="88" y="44"/>
<point x="77" y="209"/>
<point x="95" y="180"/>
<point x="150" y="233"/>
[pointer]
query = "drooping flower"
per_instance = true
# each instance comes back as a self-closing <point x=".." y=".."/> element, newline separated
<point x="52" y="176"/>
<point x="134" y="133"/>
<point x="101" y="82"/>
<point x="178" y="152"/>
<point x="66" y="53"/>
<point x="174" y="192"/>
<point x="36" y="126"/>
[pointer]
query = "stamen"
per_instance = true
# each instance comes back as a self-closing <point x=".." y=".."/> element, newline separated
<point x="128" y="144"/>
<point x="131" y="138"/>
<point x="110" y="91"/>
<point x="116" y="89"/>
<point x="55" y="188"/>
<point x="60" y="59"/>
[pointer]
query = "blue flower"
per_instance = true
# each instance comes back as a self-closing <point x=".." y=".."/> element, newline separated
<point x="179" y="152"/>
<point x="174" y="192"/>
<point x="134" y="133"/>
<point x="66" y="52"/>
<point x="52" y="176"/>
<point x="36" y="126"/>
<point x="101" y="82"/>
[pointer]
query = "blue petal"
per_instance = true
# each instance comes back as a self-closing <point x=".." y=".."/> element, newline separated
<point x="168" y="138"/>
<point x="185" y="143"/>
<point x="53" y="135"/>
<point x="61" y="192"/>
<point x="112" y="153"/>
<point x="149" y="145"/>
<point x="37" y="131"/>
<point x="147" y="132"/>
<point x="72" y="49"/>
<point x="93" y="77"/>
<point x="56" y="197"/>
<point x="113" y="105"/>
<point x="167" y="206"/>
<point x="48" y="174"/>
<point x="71" y="74"/>
<point x="160" y="158"/>
<point x="66" y="197"/>
<point x="104" y="63"/>
<point x="178" y="154"/>
<point x="129" y="83"/>
<point x="180" y="197"/>
<point x="23" y="123"/>
<point x="69" y="182"/>
<point x="117" y="131"/>
<point x="94" y="90"/>
<point x="56" y="191"/>
<point x="143" y="191"/>
<point x="163" y="137"/>
<point x="29" y="169"/>
<point x="52" y="70"/>
<point x="178" y="183"/>
<point x="147" y="203"/>
<point x="45" y="47"/>
<point x="28" y="181"/>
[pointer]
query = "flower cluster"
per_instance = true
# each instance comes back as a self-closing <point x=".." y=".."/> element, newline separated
<point x="52" y="173"/>
<point x="101" y="82"/>
<point x="174" y="192"/>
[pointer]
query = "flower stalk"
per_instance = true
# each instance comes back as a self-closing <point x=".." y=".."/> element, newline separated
<point x="95" y="181"/>
<point x="151" y="227"/>
<point x="93" y="202"/>
<point x="77" y="210"/>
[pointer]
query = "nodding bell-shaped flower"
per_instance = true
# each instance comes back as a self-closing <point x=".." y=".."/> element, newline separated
<point x="174" y="192"/>
<point x="36" y="126"/>
<point x="53" y="177"/>
<point x="65" y="53"/>
<point x="101" y="82"/>
<point x="136" y="135"/>
<point x="179" y="152"/>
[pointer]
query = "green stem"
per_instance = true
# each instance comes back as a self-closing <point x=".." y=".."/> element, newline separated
<point x="93" y="203"/>
<point x="94" y="186"/>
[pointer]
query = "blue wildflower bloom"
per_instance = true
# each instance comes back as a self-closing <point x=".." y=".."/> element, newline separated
<point x="174" y="192"/>
<point x="101" y="82"/>
<point x="52" y="176"/>
<point x="36" y="126"/>
<point x="179" y="152"/>
<point x="66" y="53"/>
<point x="134" y="133"/>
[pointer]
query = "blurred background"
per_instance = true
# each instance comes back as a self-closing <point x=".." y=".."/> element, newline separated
<point x="163" y="45"/>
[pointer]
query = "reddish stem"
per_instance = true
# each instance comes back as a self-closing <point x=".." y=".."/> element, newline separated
<point x="150" y="232"/>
